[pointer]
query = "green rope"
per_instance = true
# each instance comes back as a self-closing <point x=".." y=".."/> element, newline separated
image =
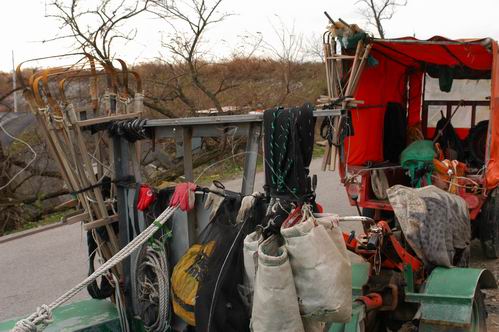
<point x="280" y="166"/>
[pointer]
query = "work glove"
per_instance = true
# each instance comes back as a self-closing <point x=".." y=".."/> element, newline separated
<point x="146" y="197"/>
<point x="246" y="205"/>
<point x="184" y="196"/>
<point x="214" y="199"/>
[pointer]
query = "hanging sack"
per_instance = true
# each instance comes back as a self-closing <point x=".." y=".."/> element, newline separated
<point x="321" y="268"/>
<point x="250" y="257"/>
<point x="343" y="274"/>
<point x="275" y="306"/>
<point x="186" y="276"/>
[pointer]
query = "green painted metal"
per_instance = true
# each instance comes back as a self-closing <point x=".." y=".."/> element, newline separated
<point x="447" y="298"/>
<point x="356" y="324"/>
<point x="409" y="278"/>
<point x="83" y="316"/>
<point x="360" y="275"/>
<point x="475" y="321"/>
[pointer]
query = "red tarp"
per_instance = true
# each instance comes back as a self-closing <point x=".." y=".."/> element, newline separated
<point x="492" y="171"/>
<point x="398" y="78"/>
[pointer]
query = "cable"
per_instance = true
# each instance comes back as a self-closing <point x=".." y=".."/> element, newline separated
<point x="154" y="287"/>
<point x="218" y="162"/>
<point x="27" y="165"/>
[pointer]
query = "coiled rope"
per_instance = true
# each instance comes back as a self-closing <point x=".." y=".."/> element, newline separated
<point x="153" y="287"/>
<point x="43" y="315"/>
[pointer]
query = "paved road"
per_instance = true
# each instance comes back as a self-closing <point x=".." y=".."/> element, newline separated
<point x="38" y="268"/>
<point x="15" y="124"/>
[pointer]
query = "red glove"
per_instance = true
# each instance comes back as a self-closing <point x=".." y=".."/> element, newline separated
<point x="146" y="197"/>
<point x="184" y="196"/>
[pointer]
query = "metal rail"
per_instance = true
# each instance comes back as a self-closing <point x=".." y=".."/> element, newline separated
<point x="249" y="125"/>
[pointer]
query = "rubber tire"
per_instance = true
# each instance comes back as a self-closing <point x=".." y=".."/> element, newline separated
<point x="479" y="313"/>
<point x="489" y="226"/>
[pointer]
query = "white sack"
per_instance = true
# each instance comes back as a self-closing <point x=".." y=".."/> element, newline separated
<point x="275" y="306"/>
<point x="250" y="260"/>
<point x="321" y="269"/>
<point x="313" y="325"/>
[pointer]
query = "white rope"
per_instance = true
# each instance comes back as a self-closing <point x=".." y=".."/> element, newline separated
<point x="120" y="306"/>
<point x="43" y="315"/>
<point x="155" y="289"/>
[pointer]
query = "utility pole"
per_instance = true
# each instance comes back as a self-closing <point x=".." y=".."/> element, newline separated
<point x="14" y="84"/>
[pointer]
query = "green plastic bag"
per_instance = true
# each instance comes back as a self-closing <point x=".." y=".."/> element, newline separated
<point x="417" y="158"/>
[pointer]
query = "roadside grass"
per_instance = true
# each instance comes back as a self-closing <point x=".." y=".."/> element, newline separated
<point x="46" y="220"/>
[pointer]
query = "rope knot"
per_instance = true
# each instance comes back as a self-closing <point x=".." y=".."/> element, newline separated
<point x="44" y="315"/>
<point x="24" y="325"/>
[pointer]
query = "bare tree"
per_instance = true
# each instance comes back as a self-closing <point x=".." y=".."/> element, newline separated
<point x="313" y="47"/>
<point x="288" y="52"/>
<point x="377" y="11"/>
<point x="169" y="84"/>
<point x="94" y="26"/>
<point x="190" y="21"/>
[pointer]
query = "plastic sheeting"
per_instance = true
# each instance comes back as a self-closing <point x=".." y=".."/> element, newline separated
<point x="434" y="222"/>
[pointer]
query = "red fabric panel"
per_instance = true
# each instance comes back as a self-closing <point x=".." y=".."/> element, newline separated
<point x="426" y="53"/>
<point x="378" y="85"/>
<point x="473" y="55"/>
<point x="492" y="162"/>
<point x="415" y="98"/>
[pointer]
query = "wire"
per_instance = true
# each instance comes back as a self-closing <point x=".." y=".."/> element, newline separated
<point x="221" y="270"/>
<point x="218" y="162"/>
<point x="27" y="165"/>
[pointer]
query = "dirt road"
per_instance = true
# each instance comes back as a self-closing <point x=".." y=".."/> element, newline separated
<point x="38" y="268"/>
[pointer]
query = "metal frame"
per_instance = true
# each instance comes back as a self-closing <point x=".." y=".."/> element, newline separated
<point x="183" y="130"/>
<point x="450" y="105"/>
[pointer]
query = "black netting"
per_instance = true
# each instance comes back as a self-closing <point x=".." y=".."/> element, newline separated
<point x="289" y="142"/>
<point x="219" y="307"/>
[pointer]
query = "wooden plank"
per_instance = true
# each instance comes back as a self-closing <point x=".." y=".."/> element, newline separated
<point x="82" y="217"/>
<point x="353" y="69"/>
<point x="100" y="222"/>
<point x="250" y="160"/>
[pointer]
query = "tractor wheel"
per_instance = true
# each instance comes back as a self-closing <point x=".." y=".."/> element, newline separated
<point x="489" y="226"/>
<point x="479" y="314"/>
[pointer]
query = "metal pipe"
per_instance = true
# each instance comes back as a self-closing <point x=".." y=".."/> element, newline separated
<point x="357" y="219"/>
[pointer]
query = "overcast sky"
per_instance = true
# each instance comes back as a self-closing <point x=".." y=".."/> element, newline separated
<point x="23" y="25"/>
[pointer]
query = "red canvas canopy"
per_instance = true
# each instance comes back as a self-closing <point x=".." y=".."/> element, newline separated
<point x="398" y="77"/>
